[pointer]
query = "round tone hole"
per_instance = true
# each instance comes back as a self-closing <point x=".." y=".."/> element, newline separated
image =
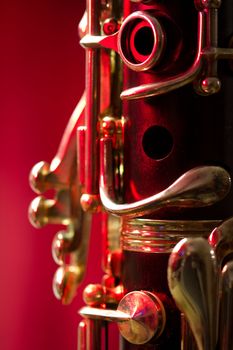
<point x="157" y="142"/>
<point x="141" y="41"/>
<point x="144" y="40"/>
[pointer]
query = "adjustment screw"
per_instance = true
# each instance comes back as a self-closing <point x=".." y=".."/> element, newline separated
<point x="108" y="126"/>
<point x="110" y="26"/>
<point x="210" y="85"/>
<point x="90" y="203"/>
<point x="94" y="295"/>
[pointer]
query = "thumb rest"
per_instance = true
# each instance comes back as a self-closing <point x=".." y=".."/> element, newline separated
<point x="152" y="154"/>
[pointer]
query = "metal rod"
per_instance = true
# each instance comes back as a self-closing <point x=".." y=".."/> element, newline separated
<point x="92" y="99"/>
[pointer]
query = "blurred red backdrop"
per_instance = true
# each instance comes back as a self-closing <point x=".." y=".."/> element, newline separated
<point x="42" y="79"/>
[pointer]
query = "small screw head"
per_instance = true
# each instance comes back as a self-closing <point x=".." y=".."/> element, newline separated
<point x="94" y="295"/>
<point x="108" y="126"/>
<point x="210" y="85"/>
<point x="110" y="26"/>
<point x="90" y="203"/>
<point x="38" y="175"/>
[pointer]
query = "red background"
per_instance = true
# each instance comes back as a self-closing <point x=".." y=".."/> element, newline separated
<point x="41" y="80"/>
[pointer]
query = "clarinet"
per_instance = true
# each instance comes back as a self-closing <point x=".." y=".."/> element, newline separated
<point x="148" y="152"/>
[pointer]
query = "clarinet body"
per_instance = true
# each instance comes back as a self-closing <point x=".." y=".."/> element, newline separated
<point x="149" y="147"/>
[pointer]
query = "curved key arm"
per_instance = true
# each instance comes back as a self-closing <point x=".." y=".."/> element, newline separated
<point x="201" y="186"/>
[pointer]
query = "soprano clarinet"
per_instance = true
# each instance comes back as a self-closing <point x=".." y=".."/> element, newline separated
<point x="149" y="148"/>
